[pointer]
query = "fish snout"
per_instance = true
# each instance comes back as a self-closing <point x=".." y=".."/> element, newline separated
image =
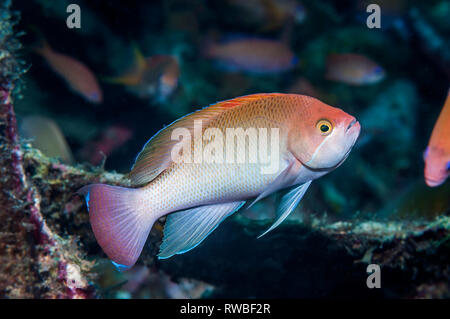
<point x="432" y="183"/>
<point x="353" y="127"/>
<point x="352" y="122"/>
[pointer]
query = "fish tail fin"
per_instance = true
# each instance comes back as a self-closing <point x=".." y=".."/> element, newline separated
<point x="121" y="221"/>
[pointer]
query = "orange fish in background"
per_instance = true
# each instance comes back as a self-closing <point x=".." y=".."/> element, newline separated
<point x="437" y="154"/>
<point x="154" y="77"/>
<point x="353" y="69"/>
<point x="112" y="138"/>
<point x="77" y="75"/>
<point x="196" y="194"/>
<point x="253" y="55"/>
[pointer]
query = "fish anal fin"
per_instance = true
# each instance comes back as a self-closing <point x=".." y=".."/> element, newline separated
<point x="185" y="230"/>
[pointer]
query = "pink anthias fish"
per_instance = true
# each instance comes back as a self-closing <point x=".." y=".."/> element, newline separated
<point x="253" y="55"/>
<point x="313" y="139"/>
<point x="437" y="154"/>
<point x="154" y="77"/>
<point x="112" y="138"/>
<point x="353" y="69"/>
<point x="76" y="74"/>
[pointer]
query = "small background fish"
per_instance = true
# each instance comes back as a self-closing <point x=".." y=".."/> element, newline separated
<point x="153" y="77"/>
<point x="98" y="149"/>
<point x="77" y="75"/>
<point x="353" y="69"/>
<point x="253" y="55"/>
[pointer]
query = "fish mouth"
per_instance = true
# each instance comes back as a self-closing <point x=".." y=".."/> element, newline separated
<point x="433" y="182"/>
<point x="351" y="124"/>
<point x="353" y="128"/>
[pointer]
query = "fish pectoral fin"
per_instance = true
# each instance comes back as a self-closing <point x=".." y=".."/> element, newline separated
<point x="185" y="230"/>
<point x="277" y="183"/>
<point x="288" y="204"/>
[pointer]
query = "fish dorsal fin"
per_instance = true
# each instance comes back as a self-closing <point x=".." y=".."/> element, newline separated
<point x="133" y="76"/>
<point x="155" y="157"/>
<point x="139" y="59"/>
<point x="288" y="204"/>
<point x="187" y="229"/>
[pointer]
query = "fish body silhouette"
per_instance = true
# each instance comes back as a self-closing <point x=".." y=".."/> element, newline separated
<point x="307" y="139"/>
<point x="353" y="69"/>
<point x="154" y="77"/>
<point x="252" y="55"/>
<point x="77" y="75"/>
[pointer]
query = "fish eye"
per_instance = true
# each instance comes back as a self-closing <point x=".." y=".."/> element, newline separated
<point x="324" y="126"/>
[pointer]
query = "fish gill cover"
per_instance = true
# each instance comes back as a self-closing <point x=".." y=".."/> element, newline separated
<point x="96" y="94"/>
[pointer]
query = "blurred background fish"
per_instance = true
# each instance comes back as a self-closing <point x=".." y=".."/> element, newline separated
<point x="46" y="136"/>
<point x="101" y="147"/>
<point x="252" y="55"/>
<point x="153" y="77"/>
<point x="76" y="74"/>
<point x="353" y="69"/>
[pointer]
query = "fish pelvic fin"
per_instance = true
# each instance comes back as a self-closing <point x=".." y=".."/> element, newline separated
<point x="278" y="182"/>
<point x="288" y="203"/>
<point x="185" y="230"/>
<point x="121" y="221"/>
